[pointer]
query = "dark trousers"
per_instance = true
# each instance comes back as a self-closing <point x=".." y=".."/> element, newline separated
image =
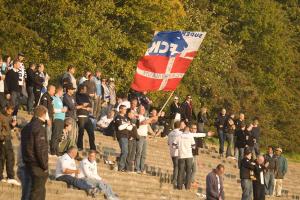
<point x="7" y="158"/>
<point x="222" y="138"/>
<point x="175" y="170"/>
<point x="37" y="95"/>
<point x="39" y="179"/>
<point x="131" y="154"/>
<point x="3" y="101"/>
<point x="25" y="179"/>
<point x="185" y="172"/>
<point x="76" y="182"/>
<point x="57" y="129"/>
<point x="258" y="191"/>
<point x="30" y="99"/>
<point x="84" y="123"/>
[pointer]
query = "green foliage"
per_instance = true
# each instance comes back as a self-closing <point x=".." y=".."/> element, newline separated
<point x="249" y="60"/>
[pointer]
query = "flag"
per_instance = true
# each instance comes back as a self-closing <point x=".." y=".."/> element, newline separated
<point x="167" y="58"/>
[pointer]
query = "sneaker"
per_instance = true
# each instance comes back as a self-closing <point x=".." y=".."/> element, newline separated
<point x="93" y="192"/>
<point x="138" y="172"/>
<point x="13" y="181"/>
<point x="3" y="180"/>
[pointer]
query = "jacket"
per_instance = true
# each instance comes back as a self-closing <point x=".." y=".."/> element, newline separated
<point x="281" y="166"/>
<point x="30" y="77"/>
<point x="257" y="173"/>
<point x="245" y="168"/>
<point x="187" y="112"/>
<point x="221" y="122"/>
<point x="82" y="98"/>
<point x="212" y="191"/>
<point x="173" y="110"/>
<point x="240" y="139"/>
<point x="12" y="81"/>
<point x="38" y="80"/>
<point x="70" y="103"/>
<point x="271" y="160"/>
<point x="5" y="127"/>
<point x="122" y="132"/>
<point x="46" y="100"/>
<point x="202" y="118"/>
<point x="34" y="144"/>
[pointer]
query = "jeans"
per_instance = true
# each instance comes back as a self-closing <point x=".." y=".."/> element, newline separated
<point x="185" y="172"/>
<point x="26" y="182"/>
<point x="221" y="140"/>
<point x="105" y="188"/>
<point x="141" y="151"/>
<point x="76" y="182"/>
<point x="7" y="159"/>
<point x="200" y="127"/>
<point x="175" y="170"/>
<point x="30" y="99"/>
<point x="194" y="168"/>
<point x="73" y="134"/>
<point x="86" y="123"/>
<point x="247" y="189"/>
<point x="256" y="149"/>
<point x="39" y="179"/>
<point x="123" y="142"/>
<point x="15" y="99"/>
<point x="131" y="154"/>
<point x="97" y="107"/>
<point x="229" y="139"/>
<point x="3" y="101"/>
<point x="269" y="182"/>
<point x="57" y="129"/>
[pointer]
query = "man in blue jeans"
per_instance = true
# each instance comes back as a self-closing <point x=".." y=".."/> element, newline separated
<point x="67" y="172"/>
<point x="123" y="127"/>
<point x="270" y="175"/>
<point x="220" y="124"/>
<point x="245" y="174"/>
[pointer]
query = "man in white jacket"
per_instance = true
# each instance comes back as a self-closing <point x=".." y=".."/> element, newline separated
<point x="88" y="171"/>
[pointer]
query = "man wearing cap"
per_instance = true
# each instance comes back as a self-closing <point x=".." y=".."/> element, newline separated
<point x="280" y="171"/>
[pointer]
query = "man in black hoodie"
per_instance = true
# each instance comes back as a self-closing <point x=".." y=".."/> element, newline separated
<point x="245" y="175"/>
<point x="34" y="147"/>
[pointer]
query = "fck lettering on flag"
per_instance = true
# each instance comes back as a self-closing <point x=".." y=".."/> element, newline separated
<point x="166" y="60"/>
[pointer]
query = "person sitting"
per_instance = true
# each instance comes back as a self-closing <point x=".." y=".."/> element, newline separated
<point x="66" y="141"/>
<point x="104" y="122"/>
<point x="67" y="172"/>
<point x="88" y="171"/>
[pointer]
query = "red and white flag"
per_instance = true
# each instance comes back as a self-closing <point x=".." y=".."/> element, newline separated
<point x="168" y="57"/>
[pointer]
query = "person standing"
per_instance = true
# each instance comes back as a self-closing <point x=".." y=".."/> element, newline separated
<point x="34" y="147"/>
<point x="256" y="134"/>
<point x="91" y="89"/>
<point x="281" y="167"/>
<point x="141" y="149"/>
<point x="241" y="143"/>
<point x="29" y="86"/>
<point x="13" y="88"/>
<point x="214" y="184"/>
<point x="68" y="77"/>
<point x="70" y="103"/>
<point x="187" y="112"/>
<point x="38" y="83"/>
<point x="246" y="182"/>
<point x="259" y="182"/>
<point x="172" y="136"/>
<point x="175" y="112"/>
<point x="105" y="90"/>
<point x="97" y="106"/>
<point x="239" y="123"/>
<point x="220" y="124"/>
<point x="132" y="139"/>
<point x="7" y="157"/>
<point x="185" y="143"/>
<point x="229" y="132"/>
<point x="112" y="93"/>
<point x="202" y="119"/>
<point x="84" y="122"/>
<point x="269" y="175"/>
<point x="58" y="120"/>
<point x="123" y="127"/>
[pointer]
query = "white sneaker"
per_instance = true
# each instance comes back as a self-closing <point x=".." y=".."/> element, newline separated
<point x="13" y="181"/>
<point x="3" y="180"/>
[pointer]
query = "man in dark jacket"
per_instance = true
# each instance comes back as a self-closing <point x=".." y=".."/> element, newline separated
<point x="29" y="87"/>
<point x="12" y="83"/>
<point x="220" y="124"/>
<point x="6" y="148"/>
<point x="241" y="143"/>
<point x="187" y="112"/>
<point x="34" y="147"/>
<point x="246" y="169"/>
<point x="259" y="182"/>
<point x="214" y="184"/>
<point x="269" y="175"/>
<point x="38" y="81"/>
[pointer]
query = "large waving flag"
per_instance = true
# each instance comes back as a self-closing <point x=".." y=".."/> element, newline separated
<point x="168" y="57"/>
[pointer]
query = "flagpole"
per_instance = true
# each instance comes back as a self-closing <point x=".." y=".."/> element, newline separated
<point x="166" y="102"/>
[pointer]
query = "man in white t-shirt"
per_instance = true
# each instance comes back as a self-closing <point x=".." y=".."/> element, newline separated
<point x="67" y="172"/>
<point x="173" y="135"/>
<point x="88" y="171"/>
<point x="184" y="143"/>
